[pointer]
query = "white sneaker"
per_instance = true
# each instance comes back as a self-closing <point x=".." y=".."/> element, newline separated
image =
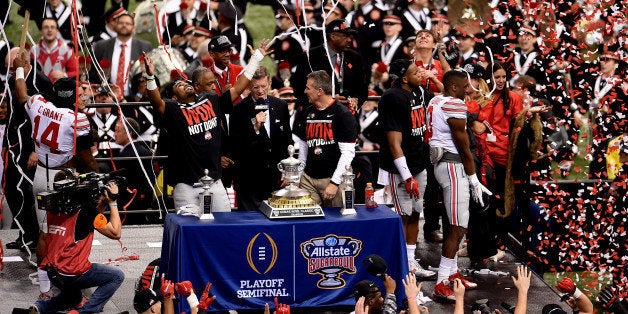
<point x="500" y="254"/>
<point x="418" y="270"/>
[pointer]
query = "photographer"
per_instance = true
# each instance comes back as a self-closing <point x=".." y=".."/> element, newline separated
<point x="61" y="138"/>
<point x="69" y="244"/>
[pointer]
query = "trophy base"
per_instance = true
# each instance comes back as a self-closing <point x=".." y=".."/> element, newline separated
<point x="207" y="217"/>
<point x="285" y="213"/>
<point x="347" y="211"/>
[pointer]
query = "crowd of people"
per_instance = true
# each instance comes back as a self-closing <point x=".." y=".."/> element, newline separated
<point x="466" y="105"/>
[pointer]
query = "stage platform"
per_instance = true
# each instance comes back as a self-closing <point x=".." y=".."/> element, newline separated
<point x="145" y="241"/>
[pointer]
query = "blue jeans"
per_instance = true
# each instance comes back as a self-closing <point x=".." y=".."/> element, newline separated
<point x="108" y="279"/>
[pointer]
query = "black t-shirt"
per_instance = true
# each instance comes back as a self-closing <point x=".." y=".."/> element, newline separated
<point x="194" y="133"/>
<point x="404" y="111"/>
<point x="322" y="130"/>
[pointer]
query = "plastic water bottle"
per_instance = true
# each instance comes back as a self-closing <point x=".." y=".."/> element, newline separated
<point x="369" y="196"/>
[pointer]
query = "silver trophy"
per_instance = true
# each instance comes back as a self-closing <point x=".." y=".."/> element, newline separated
<point x="348" y="192"/>
<point x="291" y="168"/>
<point x="206" y="196"/>
<point x="291" y="201"/>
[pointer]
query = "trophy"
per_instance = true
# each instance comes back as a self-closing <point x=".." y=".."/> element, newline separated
<point x="291" y="201"/>
<point x="206" y="196"/>
<point x="348" y="192"/>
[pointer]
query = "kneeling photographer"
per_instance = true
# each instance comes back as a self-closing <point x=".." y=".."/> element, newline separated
<point x="73" y="211"/>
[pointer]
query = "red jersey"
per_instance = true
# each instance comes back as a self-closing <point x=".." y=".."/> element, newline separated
<point x="228" y="76"/>
<point x="500" y="121"/>
<point x="63" y="251"/>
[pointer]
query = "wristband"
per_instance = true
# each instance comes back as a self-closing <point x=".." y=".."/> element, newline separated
<point x="334" y="183"/>
<point x="151" y="84"/>
<point x="149" y="77"/>
<point x="19" y="73"/>
<point x="402" y="167"/>
<point x="113" y="204"/>
<point x="250" y="68"/>
<point x="577" y="293"/>
<point x="192" y="300"/>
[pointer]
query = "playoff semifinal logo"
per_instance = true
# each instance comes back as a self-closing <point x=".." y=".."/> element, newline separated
<point x="330" y="256"/>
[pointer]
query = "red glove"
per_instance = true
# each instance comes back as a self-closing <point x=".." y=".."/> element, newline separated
<point x="283" y="309"/>
<point x="206" y="300"/>
<point x="186" y="289"/>
<point x="167" y="288"/>
<point x="412" y="187"/>
<point x="566" y="286"/>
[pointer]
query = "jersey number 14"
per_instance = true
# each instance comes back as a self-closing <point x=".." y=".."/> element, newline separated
<point x="49" y="137"/>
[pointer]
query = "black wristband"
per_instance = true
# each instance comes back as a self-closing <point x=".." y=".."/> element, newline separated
<point x="334" y="183"/>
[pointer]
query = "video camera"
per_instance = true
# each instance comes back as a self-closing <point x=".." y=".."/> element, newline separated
<point x="70" y="195"/>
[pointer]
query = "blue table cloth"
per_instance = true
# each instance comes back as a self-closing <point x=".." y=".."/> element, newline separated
<point x="307" y="262"/>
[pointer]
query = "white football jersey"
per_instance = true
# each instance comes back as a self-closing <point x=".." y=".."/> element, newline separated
<point x="439" y="110"/>
<point x="53" y="130"/>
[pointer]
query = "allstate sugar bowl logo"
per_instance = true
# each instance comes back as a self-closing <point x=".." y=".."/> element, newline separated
<point x="330" y="256"/>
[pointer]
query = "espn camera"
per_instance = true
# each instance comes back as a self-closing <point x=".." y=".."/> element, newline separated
<point x="71" y="194"/>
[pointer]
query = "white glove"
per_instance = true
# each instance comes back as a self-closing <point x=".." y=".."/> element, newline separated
<point x="477" y="189"/>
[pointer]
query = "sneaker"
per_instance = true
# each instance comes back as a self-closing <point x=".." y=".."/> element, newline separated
<point x="45" y="296"/>
<point x="34" y="309"/>
<point x="467" y="284"/>
<point x="443" y="292"/>
<point x="418" y="270"/>
<point x="83" y="301"/>
<point x="500" y="254"/>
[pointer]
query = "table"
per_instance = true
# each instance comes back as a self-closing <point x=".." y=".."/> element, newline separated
<point x="309" y="262"/>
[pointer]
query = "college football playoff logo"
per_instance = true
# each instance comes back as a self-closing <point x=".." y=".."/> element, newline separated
<point x="330" y="256"/>
<point x="262" y="253"/>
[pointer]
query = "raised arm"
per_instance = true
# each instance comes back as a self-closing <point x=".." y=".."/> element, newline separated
<point x="113" y="228"/>
<point x="243" y="81"/>
<point x="151" y="85"/>
<point x="22" y="68"/>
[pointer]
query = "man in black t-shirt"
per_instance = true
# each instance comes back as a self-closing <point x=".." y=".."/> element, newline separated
<point x="402" y="118"/>
<point x="193" y="124"/>
<point x="327" y="134"/>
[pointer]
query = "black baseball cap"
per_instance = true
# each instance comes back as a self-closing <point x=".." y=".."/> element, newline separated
<point x="475" y="70"/>
<point x="375" y="265"/>
<point x="144" y="299"/>
<point x="553" y="309"/>
<point x="364" y="288"/>
<point x="339" y="26"/>
<point x="65" y="92"/>
<point x="219" y="43"/>
<point x="398" y="68"/>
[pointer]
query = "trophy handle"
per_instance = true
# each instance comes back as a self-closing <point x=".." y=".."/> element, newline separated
<point x="355" y="245"/>
<point x="280" y="167"/>
<point x="301" y="167"/>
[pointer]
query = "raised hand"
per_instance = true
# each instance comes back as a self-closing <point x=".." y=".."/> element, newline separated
<point x="360" y="308"/>
<point x="149" y="66"/>
<point x="522" y="282"/>
<point x="186" y="289"/>
<point x="458" y="288"/>
<point x="410" y="286"/>
<point x="566" y="286"/>
<point x="206" y="300"/>
<point x="167" y="288"/>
